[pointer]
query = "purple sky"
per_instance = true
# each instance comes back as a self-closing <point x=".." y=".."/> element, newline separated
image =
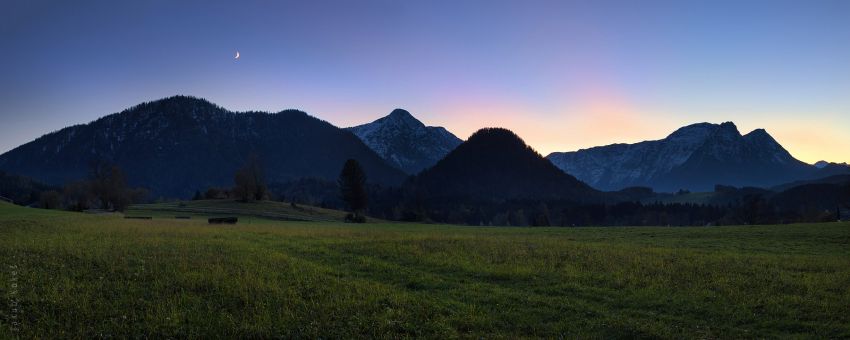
<point x="562" y="74"/>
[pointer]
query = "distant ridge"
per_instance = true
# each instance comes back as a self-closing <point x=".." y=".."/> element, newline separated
<point x="180" y="144"/>
<point x="835" y="179"/>
<point x="177" y="145"/>
<point x="694" y="157"/>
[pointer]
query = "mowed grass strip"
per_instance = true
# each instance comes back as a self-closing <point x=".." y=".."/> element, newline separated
<point x="85" y="276"/>
<point x="246" y="210"/>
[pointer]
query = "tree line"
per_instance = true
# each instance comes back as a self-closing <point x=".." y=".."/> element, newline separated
<point x="250" y="185"/>
<point x="105" y="188"/>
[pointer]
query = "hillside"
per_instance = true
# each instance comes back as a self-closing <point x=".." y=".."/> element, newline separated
<point x="177" y="145"/>
<point x="816" y="200"/>
<point x="495" y="165"/>
<point x="814" y="197"/>
<point x="837" y="179"/>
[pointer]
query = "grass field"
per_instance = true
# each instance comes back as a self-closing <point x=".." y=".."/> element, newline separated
<point x="88" y="276"/>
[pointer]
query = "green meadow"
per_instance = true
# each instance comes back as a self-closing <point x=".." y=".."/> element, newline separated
<point x="72" y="275"/>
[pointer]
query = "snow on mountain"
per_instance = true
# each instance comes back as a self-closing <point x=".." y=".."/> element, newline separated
<point x="405" y="142"/>
<point x="618" y="166"/>
<point x="694" y="157"/>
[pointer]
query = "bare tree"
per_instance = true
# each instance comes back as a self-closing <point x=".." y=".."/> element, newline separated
<point x="109" y="187"/>
<point x="250" y="181"/>
<point x="78" y="195"/>
<point x="49" y="199"/>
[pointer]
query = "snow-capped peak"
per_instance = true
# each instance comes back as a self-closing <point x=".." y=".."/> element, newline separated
<point x="405" y="142"/>
<point x="695" y="156"/>
<point x="401" y="118"/>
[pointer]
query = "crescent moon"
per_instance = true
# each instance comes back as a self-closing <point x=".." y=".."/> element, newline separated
<point x="237" y="55"/>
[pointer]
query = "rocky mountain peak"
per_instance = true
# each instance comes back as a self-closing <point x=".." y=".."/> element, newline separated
<point x="404" y="141"/>
<point x="401" y="113"/>
<point x="696" y="156"/>
<point x="760" y="136"/>
<point x="402" y="118"/>
<point x="693" y="133"/>
<point x="728" y="130"/>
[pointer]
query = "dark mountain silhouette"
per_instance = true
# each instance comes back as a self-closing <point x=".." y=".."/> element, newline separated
<point x="798" y="201"/>
<point x="819" y="199"/>
<point x="814" y="198"/>
<point x="405" y="142"/>
<point x="836" y="179"/>
<point x="695" y="157"/>
<point x="177" y="145"/>
<point x="830" y="169"/>
<point x="495" y="165"/>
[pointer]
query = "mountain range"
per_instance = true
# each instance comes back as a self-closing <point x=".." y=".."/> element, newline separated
<point x="696" y="158"/>
<point x="178" y="145"/>
<point x="405" y="142"/>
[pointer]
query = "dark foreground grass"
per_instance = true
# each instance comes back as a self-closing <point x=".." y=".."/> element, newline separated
<point x="82" y="276"/>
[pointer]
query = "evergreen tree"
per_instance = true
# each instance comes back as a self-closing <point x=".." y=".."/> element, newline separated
<point x="352" y="186"/>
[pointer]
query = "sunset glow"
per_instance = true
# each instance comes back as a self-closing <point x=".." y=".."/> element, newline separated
<point x="562" y="75"/>
<point x="431" y="169"/>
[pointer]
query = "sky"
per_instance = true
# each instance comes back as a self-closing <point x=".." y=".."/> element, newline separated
<point x="564" y="75"/>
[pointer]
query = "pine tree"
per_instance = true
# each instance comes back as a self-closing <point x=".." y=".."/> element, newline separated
<point x="352" y="186"/>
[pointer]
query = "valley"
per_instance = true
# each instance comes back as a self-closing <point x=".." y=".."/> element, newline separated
<point x="381" y="169"/>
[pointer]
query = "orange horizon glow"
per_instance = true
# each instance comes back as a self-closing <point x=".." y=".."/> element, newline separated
<point x="807" y="143"/>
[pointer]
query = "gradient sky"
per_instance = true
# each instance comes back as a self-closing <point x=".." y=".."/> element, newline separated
<point x="563" y="74"/>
